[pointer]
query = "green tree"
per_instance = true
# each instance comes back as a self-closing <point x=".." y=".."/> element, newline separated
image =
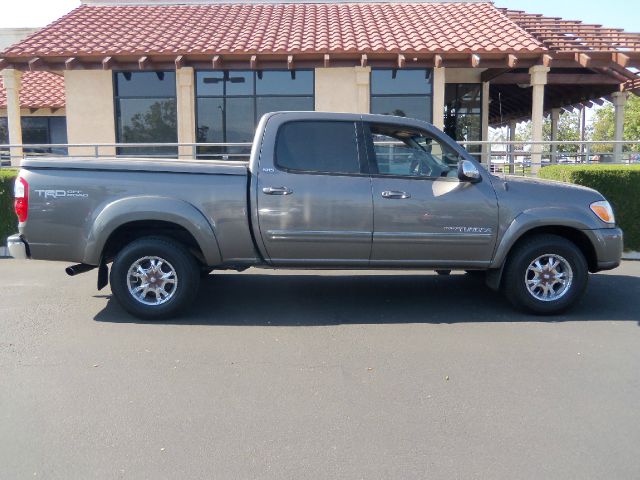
<point x="604" y="124"/>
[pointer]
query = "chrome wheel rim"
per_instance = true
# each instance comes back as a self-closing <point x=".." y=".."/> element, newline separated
<point x="548" y="277"/>
<point x="152" y="280"/>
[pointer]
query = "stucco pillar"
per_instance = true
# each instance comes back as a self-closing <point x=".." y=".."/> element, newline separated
<point x="619" y="102"/>
<point x="538" y="81"/>
<point x="439" y="86"/>
<point x="513" y="125"/>
<point x="90" y="110"/>
<point x="555" y="121"/>
<point x="342" y="89"/>
<point x="486" y="154"/>
<point x="12" y="80"/>
<point x="186" y="111"/>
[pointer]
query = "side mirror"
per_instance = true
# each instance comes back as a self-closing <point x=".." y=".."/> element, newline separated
<point x="468" y="172"/>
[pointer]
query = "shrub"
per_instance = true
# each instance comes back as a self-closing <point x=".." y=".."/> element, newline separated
<point x="620" y="184"/>
<point x="8" y="220"/>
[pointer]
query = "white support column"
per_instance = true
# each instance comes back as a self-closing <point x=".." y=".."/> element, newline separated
<point x="538" y="81"/>
<point x="186" y="111"/>
<point x="439" y="85"/>
<point x="555" y="120"/>
<point x="513" y="125"/>
<point x="12" y="80"/>
<point x="619" y="103"/>
<point x="485" y="123"/>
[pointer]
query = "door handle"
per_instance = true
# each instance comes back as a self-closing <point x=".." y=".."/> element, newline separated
<point x="393" y="194"/>
<point x="277" y="191"/>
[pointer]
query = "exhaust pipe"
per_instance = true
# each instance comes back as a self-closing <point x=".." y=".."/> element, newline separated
<point x="79" y="268"/>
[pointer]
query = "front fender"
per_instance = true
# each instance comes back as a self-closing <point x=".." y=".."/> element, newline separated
<point x="572" y="217"/>
<point x="142" y="208"/>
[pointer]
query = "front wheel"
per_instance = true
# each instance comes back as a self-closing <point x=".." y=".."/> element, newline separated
<point x="546" y="275"/>
<point x="154" y="278"/>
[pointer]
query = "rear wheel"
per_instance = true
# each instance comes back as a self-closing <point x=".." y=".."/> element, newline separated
<point x="154" y="278"/>
<point x="546" y="275"/>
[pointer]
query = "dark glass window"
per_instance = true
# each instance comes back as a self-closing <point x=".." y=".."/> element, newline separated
<point x="146" y="111"/>
<point x="230" y="103"/>
<point x="4" y="130"/>
<point x="41" y="131"/>
<point x="396" y="150"/>
<point x="463" y="113"/>
<point x="323" y="146"/>
<point x="402" y="92"/>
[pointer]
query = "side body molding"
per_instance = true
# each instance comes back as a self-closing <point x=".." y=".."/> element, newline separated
<point x="132" y="209"/>
<point x="571" y="217"/>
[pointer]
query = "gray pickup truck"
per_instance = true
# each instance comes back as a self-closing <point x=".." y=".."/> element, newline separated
<point x="321" y="190"/>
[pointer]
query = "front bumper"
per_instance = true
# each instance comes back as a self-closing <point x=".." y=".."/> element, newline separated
<point x="608" y="243"/>
<point x="18" y="247"/>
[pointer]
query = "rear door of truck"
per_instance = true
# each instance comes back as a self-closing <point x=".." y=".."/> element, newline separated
<point x="313" y="195"/>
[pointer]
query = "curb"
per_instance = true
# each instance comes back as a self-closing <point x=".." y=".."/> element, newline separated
<point x="631" y="255"/>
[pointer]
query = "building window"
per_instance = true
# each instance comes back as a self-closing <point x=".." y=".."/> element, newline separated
<point x="463" y="113"/>
<point x="229" y="105"/>
<point x="146" y="112"/>
<point x="40" y="131"/>
<point x="402" y="92"/>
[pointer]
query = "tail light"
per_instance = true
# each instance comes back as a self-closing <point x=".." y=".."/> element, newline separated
<point x="21" y="194"/>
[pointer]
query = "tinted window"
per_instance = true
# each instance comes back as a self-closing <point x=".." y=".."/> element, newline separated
<point x="329" y="147"/>
<point x="4" y="130"/>
<point x="273" y="82"/>
<point x="145" y="84"/>
<point x="402" y="92"/>
<point x="396" y="150"/>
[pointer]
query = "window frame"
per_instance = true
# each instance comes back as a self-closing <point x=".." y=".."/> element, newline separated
<point x="403" y="95"/>
<point x="363" y="161"/>
<point x="116" y="108"/>
<point x="480" y="115"/>
<point x="372" y="159"/>
<point x="253" y="95"/>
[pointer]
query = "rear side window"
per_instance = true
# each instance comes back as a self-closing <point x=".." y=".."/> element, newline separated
<point x="320" y="146"/>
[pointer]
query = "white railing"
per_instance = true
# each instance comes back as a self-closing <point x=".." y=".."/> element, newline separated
<point x="508" y="157"/>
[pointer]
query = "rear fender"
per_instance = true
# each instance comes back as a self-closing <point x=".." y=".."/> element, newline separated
<point x="132" y="209"/>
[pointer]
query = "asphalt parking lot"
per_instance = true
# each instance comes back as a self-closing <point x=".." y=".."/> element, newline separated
<point x="317" y="375"/>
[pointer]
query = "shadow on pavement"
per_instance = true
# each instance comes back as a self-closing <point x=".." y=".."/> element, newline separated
<point x="315" y="300"/>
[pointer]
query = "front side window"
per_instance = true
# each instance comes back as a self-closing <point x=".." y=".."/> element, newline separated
<point x="402" y="92"/>
<point x="230" y="103"/>
<point x="396" y="150"/>
<point x="321" y="147"/>
<point x="146" y="111"/>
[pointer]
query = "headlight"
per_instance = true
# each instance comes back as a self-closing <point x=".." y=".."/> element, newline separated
<point x="603" y="211"/>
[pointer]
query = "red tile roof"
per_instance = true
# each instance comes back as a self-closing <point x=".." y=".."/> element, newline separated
<point x="278" y="28"/>
<point x="39" y="90"/>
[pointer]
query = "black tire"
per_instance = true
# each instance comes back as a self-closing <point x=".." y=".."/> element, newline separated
<point x="514" y="283"/>
<point x="177" y="259"/>
<point x="205" y="272"/>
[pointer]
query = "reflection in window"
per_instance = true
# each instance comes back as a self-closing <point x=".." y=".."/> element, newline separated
<point x="146" y="112"/>
<point x="463" y="113"/>
<point x="40" y="131"/>
<point x="229" y="105"/>
<point x="402" y="92"/>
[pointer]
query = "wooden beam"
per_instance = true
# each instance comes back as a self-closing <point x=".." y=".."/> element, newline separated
<point x="512" y="61"/>
<point x="3" y="63"/>
<point x="437" y="61"/>
<point x="401" y="61"/>
<point x="216" y="62"/>
<point x="620" y="58"/>
<point x="491" y="73"/>
<point x="253" y="62"/>
<point x="35" y="63"/>
<point x="107" y="63"/>
<point x="71" y="63"/>
<point x="557" y="79"/>
<point x="326" y="60"/>
<point x="475" y="60"/>
<point x="363" y="60"/>
<point x="290" y="62"/>
<point x="583" y="59"/>
<point x="179" y="61"/>
<point x="546" y="60"/>
<point x="143" y="63"/>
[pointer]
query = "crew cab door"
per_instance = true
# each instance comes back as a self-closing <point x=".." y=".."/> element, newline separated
<point x="314" y="201"/>
<point x="424" y="215"/>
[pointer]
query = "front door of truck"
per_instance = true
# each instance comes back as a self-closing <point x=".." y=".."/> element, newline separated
<point x="424" y="215"/>
<point x="315" y="205"/>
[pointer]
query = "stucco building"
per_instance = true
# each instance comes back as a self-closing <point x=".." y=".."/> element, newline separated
<point x="204" y="71"/>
